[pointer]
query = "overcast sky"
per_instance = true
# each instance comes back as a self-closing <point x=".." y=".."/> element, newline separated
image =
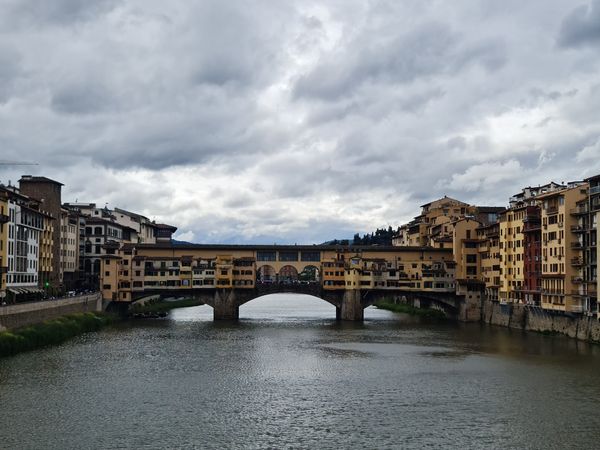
<point x="283" y="121"/>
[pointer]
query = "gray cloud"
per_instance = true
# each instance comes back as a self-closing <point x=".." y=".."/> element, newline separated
<point x="582" y="26"/>
<point x="296" y="121"/>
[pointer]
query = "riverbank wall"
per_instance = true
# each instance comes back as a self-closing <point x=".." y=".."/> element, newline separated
<point x="534" y="318"/>
<point x="21" y="315"/>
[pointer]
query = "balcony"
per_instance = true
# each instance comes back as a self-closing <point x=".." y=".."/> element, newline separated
<point x="4" y="218"/>
<point x="580" y="210"/>
<point x="577" y="261"/>
<point x="551" y="210"/>
<point x="576" y="245"/>
<point x="577" y="229"/>
<point x="575" y="308"/>
<point x="577" y="279"/>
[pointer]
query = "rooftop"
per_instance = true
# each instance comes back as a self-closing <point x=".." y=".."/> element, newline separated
<point x="32" y="179"/>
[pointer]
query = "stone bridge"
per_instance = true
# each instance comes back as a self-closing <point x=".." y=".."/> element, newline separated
<point x="349" y="303"/>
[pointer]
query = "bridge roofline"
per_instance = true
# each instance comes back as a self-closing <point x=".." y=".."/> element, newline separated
<point x="349" y="248"/>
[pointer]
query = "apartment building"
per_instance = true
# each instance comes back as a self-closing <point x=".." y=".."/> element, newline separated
<point x="563" y="288"/>
<point x="48" y="193"/>
<point x="4" y="220"/>
<point x="489" y="257"/>
<point x="69" y="248"/>
<point x="22" y="237"/>
<point x="588" y="228"/>
<point x="532" y="256"/>
<point x="46" y="255"/>
<point x="512" y="260"/>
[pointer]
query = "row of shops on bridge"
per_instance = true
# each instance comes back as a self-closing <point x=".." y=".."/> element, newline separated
<point x="129" y="271"/>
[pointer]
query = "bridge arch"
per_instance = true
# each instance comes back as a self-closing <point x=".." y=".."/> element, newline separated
<point x="288" y="274"/>
<point x="310" y="274"/>
<point x="266" y="274"/>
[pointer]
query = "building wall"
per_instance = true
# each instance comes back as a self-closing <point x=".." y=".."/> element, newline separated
<point x="46" y="254"/>
<point x="69" y="248"/>
<point x="562" y="251"/>
<point x="465" y="249"/>
<point x="15" y="316"/>
<point x="4" y="218"/>
<point x="532" y="244"/>
<point x="23" y="247"/>
<point x="489" y="255"/>
<point x="49" y="193"/>
<point x="512" y="268"/>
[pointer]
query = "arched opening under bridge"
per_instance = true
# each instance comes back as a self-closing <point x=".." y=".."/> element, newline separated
<point x="287" y="307"/>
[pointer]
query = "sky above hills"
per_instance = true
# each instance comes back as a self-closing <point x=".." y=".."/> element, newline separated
<point x="298" y="121"/>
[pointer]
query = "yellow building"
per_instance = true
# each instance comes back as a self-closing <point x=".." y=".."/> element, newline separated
<point x="562" y="258"/>
<point x="465" y="248"/>
<point x="431" y="227"/>
<point x="489" y="257"/>
<point x="46" y="249"/>
<point x="512" y="254"/>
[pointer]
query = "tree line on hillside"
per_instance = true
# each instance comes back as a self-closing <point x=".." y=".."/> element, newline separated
<point x="382" y="236"/>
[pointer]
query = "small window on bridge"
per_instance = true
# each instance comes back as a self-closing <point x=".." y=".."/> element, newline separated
<point x="310" y="256"/>
<point x="266" y="256"/>
<point x="288" y="256"/>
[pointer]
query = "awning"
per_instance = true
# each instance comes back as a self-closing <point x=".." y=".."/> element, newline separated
<point x="25" y="290"/>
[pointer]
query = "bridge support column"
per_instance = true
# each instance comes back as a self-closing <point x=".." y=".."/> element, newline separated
<point x="225" y="305"/>
<point x="352" y="308"/>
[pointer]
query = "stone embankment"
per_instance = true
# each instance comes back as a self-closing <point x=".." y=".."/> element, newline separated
<point x="21" y="315"/>
<point x="533" y="318"/>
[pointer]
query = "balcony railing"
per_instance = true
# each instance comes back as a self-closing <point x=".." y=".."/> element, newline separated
<point x="579" y="210"/>
<point x="595" y="190"/>
<point x="577" y="279"/>
<point x="577" y="229"/>
<point x="550" y="210"/>
<point x="577" y="261"/>
<point x="576" y="245"/>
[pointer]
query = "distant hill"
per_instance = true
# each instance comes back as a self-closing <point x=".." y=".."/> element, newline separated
<point x="176" y="242"/>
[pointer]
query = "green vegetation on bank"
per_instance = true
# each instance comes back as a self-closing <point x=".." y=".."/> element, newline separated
<point x="408" y="309"/>
<point x="163" y="306"/>
<point x="51" y="332"/>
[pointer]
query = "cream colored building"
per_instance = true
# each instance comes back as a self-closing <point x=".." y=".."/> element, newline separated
<point x="69" y="245"/>
<point x="562" y="258"/>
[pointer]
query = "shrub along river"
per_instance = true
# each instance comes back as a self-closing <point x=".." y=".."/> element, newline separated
<point x="287" y="375"/>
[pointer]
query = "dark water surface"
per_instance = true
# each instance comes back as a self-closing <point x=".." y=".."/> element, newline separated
<point x="288" y="376"/>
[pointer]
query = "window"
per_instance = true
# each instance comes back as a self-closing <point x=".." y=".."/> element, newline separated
<point x="288" y="256"/>
<point x="310" y="256"/>
<point x="471" y="259"/>
<point x="266" y="256"/>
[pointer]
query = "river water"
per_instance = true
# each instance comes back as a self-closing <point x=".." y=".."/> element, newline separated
<point x="288" y="376"/>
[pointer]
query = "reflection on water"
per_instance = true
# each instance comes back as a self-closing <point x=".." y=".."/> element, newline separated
<point x="287" y="375"/>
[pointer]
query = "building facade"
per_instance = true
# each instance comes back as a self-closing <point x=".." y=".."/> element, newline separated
<point x="48" y="193"/>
